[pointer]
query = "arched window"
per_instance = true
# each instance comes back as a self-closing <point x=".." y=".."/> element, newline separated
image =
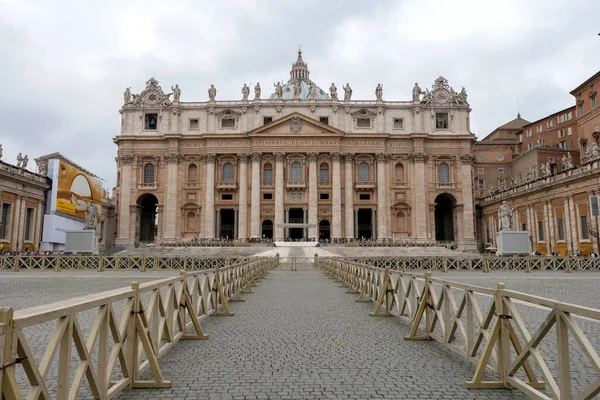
<point x="228" y="172"/>
<point x="149" y="173"/>
<point x="192" y="173"/>
<point x="268" y="173"/>
<point x="399" y="172"/>
<point x="324" y="173"/>
<point x="296" y="172"/>
<point x="444" y="173"/>
<point x="191" y="221"/>
<point x="363" y="172"/>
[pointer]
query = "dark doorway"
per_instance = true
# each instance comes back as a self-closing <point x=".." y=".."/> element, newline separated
<point x="227" y="223"/>
<point x="146" y="227"/>
<point x="365" y="223"/>
<point x="444" y="221"/>
<point x="267" y="229"/>
<point x="324" y="230"/>
<point x="296" y="217"/>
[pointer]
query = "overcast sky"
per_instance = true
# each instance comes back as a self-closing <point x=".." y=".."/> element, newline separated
<point x="65" y="64"/>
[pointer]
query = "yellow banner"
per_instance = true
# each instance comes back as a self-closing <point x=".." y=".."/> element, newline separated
<point x="75" y="190"/>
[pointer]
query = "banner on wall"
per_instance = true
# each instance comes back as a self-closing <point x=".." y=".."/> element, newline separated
<point x="75" y="191"/>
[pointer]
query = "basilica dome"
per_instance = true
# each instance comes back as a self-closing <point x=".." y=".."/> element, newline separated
<point x="299" y="75"/>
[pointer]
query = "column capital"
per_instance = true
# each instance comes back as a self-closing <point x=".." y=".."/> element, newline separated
<point x="335" y="156"/>
<point x="210" y="158"/>
<point x="173" y="158"/>
<point x="127" y="158"/>
<point x="312" y="157"/>
<point x="256" y="156"/>
<point x="348" y="157"/>
<point x="243" y="157"/>
<point x="380" y="157"/>
<point x="279" y="156"/>
<point x="467" y="158"/>
<point x="418" y="157"/>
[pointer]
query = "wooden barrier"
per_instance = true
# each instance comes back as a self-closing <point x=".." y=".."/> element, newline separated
<point x="484" y="325"/>
<point x="132" y="328"/>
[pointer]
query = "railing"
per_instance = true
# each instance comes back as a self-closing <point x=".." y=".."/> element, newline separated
<point x="295" y="184"/>
<point x="364" y="185"/>
<point x="481" y="263"/>
<point x="148" y="186"/>
<point x="487" y="326"/>
<point x="115" y="263"/>
<point x="132" y="328"/>
<point x="227" y="185"/>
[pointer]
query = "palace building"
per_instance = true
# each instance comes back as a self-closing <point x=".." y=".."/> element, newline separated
<point x="300" y="163"/>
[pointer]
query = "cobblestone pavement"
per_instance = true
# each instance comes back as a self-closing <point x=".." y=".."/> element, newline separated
<point x="300" y="337"/>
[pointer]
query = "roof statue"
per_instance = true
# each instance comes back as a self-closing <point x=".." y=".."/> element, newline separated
<point x="19" y="160"/>
<point x="379" y="92"/>
<point x="416" y="93"/>
<point x="347" y="92"/>
<point x="333" y="91"/>
<point x="176" y="92"/>
<point x="245" y="92"/>
<point x="257" y="91"/>
<point x="212" y="93"/>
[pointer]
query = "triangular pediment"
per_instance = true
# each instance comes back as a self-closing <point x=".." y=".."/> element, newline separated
<point x="295" y="125"/>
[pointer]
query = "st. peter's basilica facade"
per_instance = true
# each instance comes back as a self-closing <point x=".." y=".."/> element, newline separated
<point x="301" y="163"/>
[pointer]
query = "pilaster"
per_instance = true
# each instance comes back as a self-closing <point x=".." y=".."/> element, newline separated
<point x="336" y="198"/>
<point x="209" y="201"/>
<point x="349" y="198"/>
<point x="469" y="243"/>
<point x="255" y="197"/>
<point x="312" y="196"/>
<point x="242" y="231"/>
<point x="381" y="200"/>
<point x="279" y="190"/>
<point x="125" y="167"/>
<point x="421" y="202"/>
<point x="171" y="201"/>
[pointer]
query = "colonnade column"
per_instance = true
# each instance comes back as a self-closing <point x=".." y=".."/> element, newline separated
<point x="170" y="230"/>
<point x="305" y="221"/>
<point x="593" y="223"/>
<point x="336" y="198"/>
<point x="567" y="225"/>
<point x="279" y="189"/>
<point x="209" y="201"/>
<point x="242" y="220"/>
<point x="381" y="203"/>
<point x="468" y="229"/>
<point x="124" y="201"/>
<point x="420" y="196"/>
<point x="574" y="221"/>
<point x="312" y="196"/>
<point x="349" y="198"/>
<point x="39" y="225"/>
<point x="14" y="237"/>
<point x="255" y="200"/>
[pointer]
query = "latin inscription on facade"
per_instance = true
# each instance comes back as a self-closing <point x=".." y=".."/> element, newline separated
<point x="364" y="143"/>
<point x="232" y="143"/>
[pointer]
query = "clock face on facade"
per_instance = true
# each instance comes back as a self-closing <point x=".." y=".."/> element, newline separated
<point x="441" y="95"/>
<point x="151" y="97"/>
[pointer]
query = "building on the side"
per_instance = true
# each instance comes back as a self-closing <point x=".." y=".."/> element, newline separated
<point x="550" y="181"/>
<point x="300" y="163"/>
<point x="22" y="200"/>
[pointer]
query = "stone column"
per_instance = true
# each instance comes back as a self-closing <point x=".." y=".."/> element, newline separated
<point x="388" y="198"/>
<point x="567" y="225"/>
<point x="336" y="198"/>
<point x="593" y="221"/>
<point x="552" y="225"/>
<point x="469" y="242"/>
<point x="125" y="167"/>
<point x="547" y="229"/>
<point x="381" y="203"/>
<point x="349" y="198"/>
<point x="420" y="196"/>
<point x="574" y="222"/>
<point x="16" y="216"/>
<point x="279" y="190"/>
<point x="255" y="201"/>
<point x="38" y="225"/>
<point x="161" y="218"/>
<point x="209" y="200"/>
<point x="172" y="190"/>
<point x="312" y="196"/>
<point x="242" y="221"/>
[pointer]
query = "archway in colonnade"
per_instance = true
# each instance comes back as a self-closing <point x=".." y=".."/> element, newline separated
<point x="145" y="223"/>
<point x="444" y="217"/>
<point x="267" y="229"/>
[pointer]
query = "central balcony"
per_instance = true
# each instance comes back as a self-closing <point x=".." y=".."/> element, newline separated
<point x="227" y="186"/>
<point x="295" y="185"/>
<point x="364" y="186"/>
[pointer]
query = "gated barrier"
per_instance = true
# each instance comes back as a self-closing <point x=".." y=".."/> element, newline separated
<point x="113" y="263"/>
<point x="132" y="328"/>
<point x="486" y="326"/>
<point x="484" y="264"/>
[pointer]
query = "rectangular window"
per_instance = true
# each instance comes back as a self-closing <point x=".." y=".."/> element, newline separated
<point x="524" y="227"/>
<point x="560" y="228"/>
<point x="580" y="110"/>
<point x="585" y="233"/>
<point x="228" y="123"/>
<point x="541" y="231"/>
<point x="529" y="133"/>
<point x="324" y="120"/>
<point x="324" y="196"/>
<point x="569" y="131"/>
<point x="363" y="122"/>
<point x="594" y="104"/>
<point x="569" y="116"/>
<point x="441" y="121"/>
<point x="480" y="170"/>
<point x="562" y="145"/>
<point x="150" y="121"/>
<point x="481" y="184"/>
<point x="529" y="146"/>
<point x="398" y="123"/>
<point x="539" y="129"/>
<point x="499" y="158"/>
<point x="268" y="176"/>
<point x="5" y="221"/>
<point x="324" y="175"/>
<point x="520" y="138"/>
<point x="194" y="123"/>
<point x="500" y="171"/>
<point x="549" y="124"/>
<point x="364" y="196"/>
<point x="267" y="120"/>
<point x="267" y="196"/>
<point x="29" y="224"/>
<point x="479" y="159"/>
<point x="540" y="142"/>
<point x="551" y="160"/>
<point x="226" y="197"/>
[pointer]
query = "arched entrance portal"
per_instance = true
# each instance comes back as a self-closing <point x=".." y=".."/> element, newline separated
<point x="444" y="220"/>
<point x="324" y="230"/>
<point x="267" y="229"/>
<point x="146" y="226"/>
